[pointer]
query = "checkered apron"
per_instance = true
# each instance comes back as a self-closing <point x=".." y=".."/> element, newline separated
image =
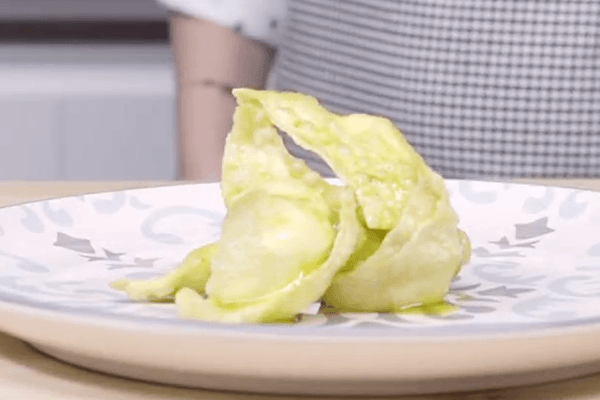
<point x="481" y="88"/>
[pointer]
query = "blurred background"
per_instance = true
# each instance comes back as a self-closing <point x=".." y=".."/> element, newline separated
<point x="87" y="91"/>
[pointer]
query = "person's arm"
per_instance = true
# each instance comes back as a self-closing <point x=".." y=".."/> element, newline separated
<point x="210" y="60"/>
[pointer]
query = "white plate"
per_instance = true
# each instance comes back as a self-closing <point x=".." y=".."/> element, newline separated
<point x="529" y="300"/>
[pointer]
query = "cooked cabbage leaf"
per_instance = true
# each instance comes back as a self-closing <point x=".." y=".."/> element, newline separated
<point x="411" y="248"/>
<point x="192" y="273"/>
<point x="367" y="152"/>
<point x="280" y="214"/>
<point x="414" y="264"/>
<point x="255" y="155"/>
<point x="267" y="240"/>
<point x="385" y="240"/>
<point x="285" y="303"/>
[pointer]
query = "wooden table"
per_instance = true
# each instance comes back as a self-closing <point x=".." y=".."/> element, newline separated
<point x="27" y="374"/>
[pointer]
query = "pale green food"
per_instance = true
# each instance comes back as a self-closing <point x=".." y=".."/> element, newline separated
<point x="283" y="238"/>
<point x="413" y="265"/>
<point x="250" y="262"/>
<point x="193" y="273"/>
<point x="285" y="303"/>
<point x="412" y="248"/>
<point x="255" y="155"/>
<point x="386" y="241"/>
<point x="366" y="152"/>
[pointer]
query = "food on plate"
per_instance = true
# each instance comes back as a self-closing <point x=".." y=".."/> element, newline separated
<point x="385" y="239"/>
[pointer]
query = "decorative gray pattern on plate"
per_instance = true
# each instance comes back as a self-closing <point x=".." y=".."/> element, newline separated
<point x="535" y="264"/>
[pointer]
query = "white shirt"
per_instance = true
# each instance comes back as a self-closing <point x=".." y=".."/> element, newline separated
<point x="258" y="19"/>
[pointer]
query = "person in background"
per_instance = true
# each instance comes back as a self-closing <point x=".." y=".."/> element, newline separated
<point x="481" y="88"/>
<point x="218" y="45"/>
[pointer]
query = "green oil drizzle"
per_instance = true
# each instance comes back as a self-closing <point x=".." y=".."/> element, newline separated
<point x="438" y="309"/>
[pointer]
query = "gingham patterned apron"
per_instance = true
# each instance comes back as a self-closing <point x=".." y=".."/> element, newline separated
<point x="481" y="88"/>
